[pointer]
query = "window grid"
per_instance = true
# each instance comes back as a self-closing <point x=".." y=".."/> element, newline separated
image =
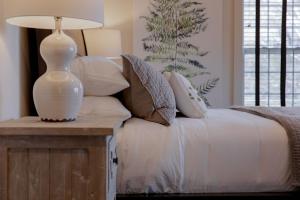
<point x="269" y="57"/>
<point x="270" y="52"/>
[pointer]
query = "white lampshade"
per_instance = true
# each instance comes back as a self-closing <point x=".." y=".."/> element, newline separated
<point x="77" y="14"/>
<point x="103" y="42"/>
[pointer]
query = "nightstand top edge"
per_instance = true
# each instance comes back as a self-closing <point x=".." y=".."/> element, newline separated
<point x="83" y="126"/>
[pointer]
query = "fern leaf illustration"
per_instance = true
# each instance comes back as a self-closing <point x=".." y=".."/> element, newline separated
<point x="171" y="26"/>
<point x="204" y="98"/>
<point x="205" y="88"/>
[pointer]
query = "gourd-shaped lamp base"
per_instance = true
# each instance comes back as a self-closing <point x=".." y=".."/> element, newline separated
<point x="58" y="93"/>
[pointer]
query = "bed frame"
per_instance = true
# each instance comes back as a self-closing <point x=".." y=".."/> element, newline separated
<point x="38" y="67"/>
<point x="283" y="196"/>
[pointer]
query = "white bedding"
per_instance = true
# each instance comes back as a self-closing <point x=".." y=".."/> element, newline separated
<point x="228" y="151"/>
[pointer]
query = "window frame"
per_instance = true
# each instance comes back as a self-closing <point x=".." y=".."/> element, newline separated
<point x="291" y="97"/>
<point x="239" y="66"/>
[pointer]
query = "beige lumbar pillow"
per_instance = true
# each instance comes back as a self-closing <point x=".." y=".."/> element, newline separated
<point x="149" y="96"/>
<point x="187" y="99"/>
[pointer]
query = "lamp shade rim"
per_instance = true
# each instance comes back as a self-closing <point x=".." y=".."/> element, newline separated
<point x="48" y="22"/>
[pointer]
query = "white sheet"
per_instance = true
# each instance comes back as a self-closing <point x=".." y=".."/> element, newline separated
<point x="228" y="151"/>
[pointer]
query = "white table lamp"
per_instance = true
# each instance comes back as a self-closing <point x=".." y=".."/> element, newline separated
<point x="58" y="93"/>
<point x="103" y="42"/>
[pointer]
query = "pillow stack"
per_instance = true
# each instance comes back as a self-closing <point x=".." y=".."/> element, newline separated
<point x="146" y="93"/>
<point x="101" y="78"/>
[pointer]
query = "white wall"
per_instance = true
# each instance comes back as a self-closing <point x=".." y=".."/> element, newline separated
<point x="12" y="72"/>
<point x="118" y="15"/>
<point x="221" y="40"/>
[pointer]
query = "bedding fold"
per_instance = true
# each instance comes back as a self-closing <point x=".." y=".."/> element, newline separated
<point x="289" y="118"/>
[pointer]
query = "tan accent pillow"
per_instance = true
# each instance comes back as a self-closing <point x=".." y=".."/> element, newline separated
<point x="149" y="96"/>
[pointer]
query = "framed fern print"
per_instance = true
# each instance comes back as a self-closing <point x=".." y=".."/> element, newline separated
<point x="176" y="35"/>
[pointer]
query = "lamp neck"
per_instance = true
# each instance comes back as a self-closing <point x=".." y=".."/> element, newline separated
<point x="58" y="26"/>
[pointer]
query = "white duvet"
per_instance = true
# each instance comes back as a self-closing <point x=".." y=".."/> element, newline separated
<point x="228" y="151"/>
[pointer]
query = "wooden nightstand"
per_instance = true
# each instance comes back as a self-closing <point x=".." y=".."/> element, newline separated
<point x="58" y="161"/>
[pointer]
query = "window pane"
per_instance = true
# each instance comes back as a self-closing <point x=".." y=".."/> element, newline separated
<point x="297" y="100"/>
<point x="249" y="23"/>
<point x="289" y="100"/>
<point x="290" y="62"/>
<point x="249" y="100"/>
<point x="264" y="100"/>
<point x="274" y="100"/>
<point x="249" y="63"/>
<point x="264" y="83"/>
<point x="297" y="61"/>
<point x="275" y="63"/>
<point x="270" y="58"/>
<point x="274" y="83"/>
<point x="264" y="63"/>
<point x="249" y="83"/>
<point x="297" y="83"/>
<point x="289" y="83"/>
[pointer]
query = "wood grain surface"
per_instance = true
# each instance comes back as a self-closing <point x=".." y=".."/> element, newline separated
<point x="54" y="166"/>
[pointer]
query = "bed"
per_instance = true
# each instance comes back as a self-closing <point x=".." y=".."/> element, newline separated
<point x="226" y="152"/>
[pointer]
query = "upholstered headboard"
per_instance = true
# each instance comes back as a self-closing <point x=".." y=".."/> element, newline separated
<point x="79" y="36"/>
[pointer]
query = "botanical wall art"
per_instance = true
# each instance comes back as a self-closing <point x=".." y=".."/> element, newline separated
<point x="169" y="37"/>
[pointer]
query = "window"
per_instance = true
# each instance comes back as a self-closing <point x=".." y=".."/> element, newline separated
<point x="270" y="52"/>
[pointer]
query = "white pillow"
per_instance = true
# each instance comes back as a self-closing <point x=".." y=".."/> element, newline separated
<point x="187" y="99"/>
<point x="99" y="76"/>
<point x="103" y="107"/>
